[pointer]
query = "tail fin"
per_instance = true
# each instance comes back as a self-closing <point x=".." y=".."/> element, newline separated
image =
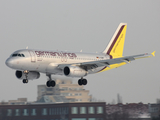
<point x="115" y="46"/>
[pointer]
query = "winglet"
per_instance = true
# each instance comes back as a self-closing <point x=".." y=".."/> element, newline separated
<point x="153" y="53"/>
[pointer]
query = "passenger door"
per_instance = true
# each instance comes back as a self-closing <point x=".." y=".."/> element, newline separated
<point x="33" y="57"/>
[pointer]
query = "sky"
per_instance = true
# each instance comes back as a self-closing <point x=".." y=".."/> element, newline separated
<point x="86" y="25"/>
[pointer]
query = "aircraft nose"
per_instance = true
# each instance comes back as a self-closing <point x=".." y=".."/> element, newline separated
<point x="9" y="63"/>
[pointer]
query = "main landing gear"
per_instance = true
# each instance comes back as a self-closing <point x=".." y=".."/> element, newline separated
<point x="50" y="82"/>
<point x="26" y="75"/>
<point x="82" y="81"/>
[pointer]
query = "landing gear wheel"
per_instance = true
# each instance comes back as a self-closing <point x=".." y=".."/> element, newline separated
<point x="80" y="82"/>
<point x="25" y="80"/>
<point x="51" y="83"/>
<point x="48" y="83"/>
<point x="84" y="82"/>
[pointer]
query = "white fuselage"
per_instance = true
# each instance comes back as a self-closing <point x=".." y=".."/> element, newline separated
<point x="48" y="61"/>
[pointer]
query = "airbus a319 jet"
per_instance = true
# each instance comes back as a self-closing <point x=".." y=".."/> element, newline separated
<point x="29" y="63"/>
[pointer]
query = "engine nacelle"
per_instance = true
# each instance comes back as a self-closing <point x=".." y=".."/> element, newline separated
<point x="74" y="71"/>
<point x="30" y="76"/>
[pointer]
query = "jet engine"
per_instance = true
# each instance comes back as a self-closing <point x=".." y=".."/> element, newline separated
<point x="74" y="71"/>
<point x="30" y="76"/>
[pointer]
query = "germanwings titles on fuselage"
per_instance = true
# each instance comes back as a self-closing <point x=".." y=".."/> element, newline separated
<point x="59" y="54"/>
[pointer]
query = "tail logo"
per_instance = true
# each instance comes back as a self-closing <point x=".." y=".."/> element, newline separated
<point x="118" y="43"/>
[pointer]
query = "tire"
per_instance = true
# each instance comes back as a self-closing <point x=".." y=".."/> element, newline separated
<point x="80" y="82"/>
<point x="24" y="81"/>
<point x="84" y="82"/>
<point x="52" y="83"/>
<point x="48" y="83"/>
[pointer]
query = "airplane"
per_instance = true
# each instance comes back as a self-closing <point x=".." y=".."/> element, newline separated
<point x="29" y="63"/>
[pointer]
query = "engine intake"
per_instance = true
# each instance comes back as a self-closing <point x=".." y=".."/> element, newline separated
<point x="66" y="71"/>
<point x="30" y="76"/>
<point x="74" y="71"/>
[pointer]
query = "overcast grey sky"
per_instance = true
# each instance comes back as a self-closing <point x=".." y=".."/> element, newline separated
<point x="88" y="25"/>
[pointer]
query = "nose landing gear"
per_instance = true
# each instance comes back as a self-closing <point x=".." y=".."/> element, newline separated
<point x="26" y="75"/>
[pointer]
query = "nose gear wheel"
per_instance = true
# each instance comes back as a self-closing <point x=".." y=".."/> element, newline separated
<point x="25" y="80"/>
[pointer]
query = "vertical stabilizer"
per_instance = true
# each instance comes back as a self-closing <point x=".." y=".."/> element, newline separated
<point x="116" y="44"/>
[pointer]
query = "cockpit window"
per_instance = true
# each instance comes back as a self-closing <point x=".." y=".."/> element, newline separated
<point x="22" y="55"/>
<point x="14" y="55"/>
<point x="19" y="55"/>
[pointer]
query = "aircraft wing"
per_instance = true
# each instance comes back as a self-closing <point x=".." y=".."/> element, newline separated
<point x="108" y="62"/>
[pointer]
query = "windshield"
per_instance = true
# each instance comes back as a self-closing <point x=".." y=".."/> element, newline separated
<point x="18" y="55"/>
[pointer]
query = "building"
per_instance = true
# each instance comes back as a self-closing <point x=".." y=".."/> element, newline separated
<point x="63" y="111"/>
<point x="64" y="91"/>
<point x="154" y="110"/>
<point x="19" y="101"/>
